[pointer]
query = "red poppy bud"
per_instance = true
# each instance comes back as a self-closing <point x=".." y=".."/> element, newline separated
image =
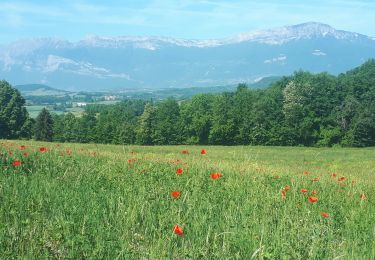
<point x="178" y="230"/>
<point x="17" y="163"/>
<point x="175" y="194"/>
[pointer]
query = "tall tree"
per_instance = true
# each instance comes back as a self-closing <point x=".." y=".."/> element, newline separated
<point x="196" y="117"/>
<point x="167" y="123"/>
<point x="13" y="114"/>
<point x="146" y="125"/>
<point x="44" y="126"/>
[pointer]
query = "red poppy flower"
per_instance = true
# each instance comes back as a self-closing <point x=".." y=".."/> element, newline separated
<point x="287" y="188"/>
<point x="325" y="214"/>
<point x="179" y="171"/>
<point x="216" y="175"/>
<point x="304" y="190"/>
<point x="342" y="178"/>
<point x="363" y="196"/>
<point x="16" y="163"/>
<point x="175" y="194"/>
<point x="178" y="230"/>
<point x="307" y="173"/>
<point x="25" y="154"/>
<point x="42" y="149"/>
<point x="203" y="152"/>
<point x="314" y="192"/>
<point x="185" y="152"/>
<point x="23" y="147"/>
<point x="313" y="199"/>
<point x="333" y="174"/>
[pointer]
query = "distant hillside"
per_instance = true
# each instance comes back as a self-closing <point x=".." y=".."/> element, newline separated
<point x="183" y="93"/>
<point x="40" y="90"/>
<point x="265" y="82"/>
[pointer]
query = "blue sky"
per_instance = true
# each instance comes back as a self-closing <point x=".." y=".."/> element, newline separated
<point x="195" y="19"/>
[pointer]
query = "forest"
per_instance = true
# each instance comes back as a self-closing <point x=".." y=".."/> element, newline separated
<point x="303" y="109"/>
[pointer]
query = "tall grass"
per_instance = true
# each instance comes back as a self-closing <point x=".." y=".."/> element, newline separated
<point x="114" y="202"/>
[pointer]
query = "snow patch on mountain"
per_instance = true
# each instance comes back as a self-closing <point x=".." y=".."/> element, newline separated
<point x="58" y="63"/>
<point x="285" y="34"/>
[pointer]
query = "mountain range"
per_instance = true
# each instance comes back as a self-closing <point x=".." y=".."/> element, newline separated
<point x="118" y="63"/>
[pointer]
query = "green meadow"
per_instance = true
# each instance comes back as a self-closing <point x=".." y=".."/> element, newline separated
<point x="76" y="201"/>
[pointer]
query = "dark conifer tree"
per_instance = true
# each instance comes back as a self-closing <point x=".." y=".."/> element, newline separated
<point x="44" y="126"/>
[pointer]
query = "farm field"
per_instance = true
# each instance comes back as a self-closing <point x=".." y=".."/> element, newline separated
<point x="35" y="110"/>
<point x="185" y="202"/>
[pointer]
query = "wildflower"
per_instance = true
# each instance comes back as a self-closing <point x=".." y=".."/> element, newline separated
<point x="178" y="230"/>
<point x="325" y="214"/>
<point x="175" y="194"/>
<point x="23" y="147"/>
<point x="17" y="163"/>
<point x="287" y="188"/>
<point x="304" y="190"/>
<point x="216" y="175"/>
<point x="203" y="152"/>
<point x="313" y="199"/>
<point x="25" y="154"/>
<point x="333" y="174"/>
<point x="185" y="152"/>
<point x="276" y="176"/>
<point x="42" y="149"/>
<point x="179" y="171"/>
<point x="307" y="173"/>
<point x="342" y="178"/>
<point x="363" y="196"/>
<point x="314" y="192"/>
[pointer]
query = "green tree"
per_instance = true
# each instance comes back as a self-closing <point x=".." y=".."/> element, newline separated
<point x="167" y="123"/>
<point x="196" y="117"/>
<point x="146" y="126"/>
<point x="224" y="125"/>
<point x="13" y="115"/>
<point x="44" y="126"/>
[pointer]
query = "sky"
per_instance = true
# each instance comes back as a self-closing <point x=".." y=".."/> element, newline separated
<point x="190" y="19"/>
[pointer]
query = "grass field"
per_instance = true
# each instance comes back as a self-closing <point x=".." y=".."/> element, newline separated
<point x="116" y="202"/>
<point x="35" y="110"/>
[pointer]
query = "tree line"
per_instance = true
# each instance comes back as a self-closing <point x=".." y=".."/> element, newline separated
<point x="302" y="109"/>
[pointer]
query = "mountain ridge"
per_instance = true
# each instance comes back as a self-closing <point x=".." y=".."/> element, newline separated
<point x="286" y="33"/>
<point x="114" y="63"/>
